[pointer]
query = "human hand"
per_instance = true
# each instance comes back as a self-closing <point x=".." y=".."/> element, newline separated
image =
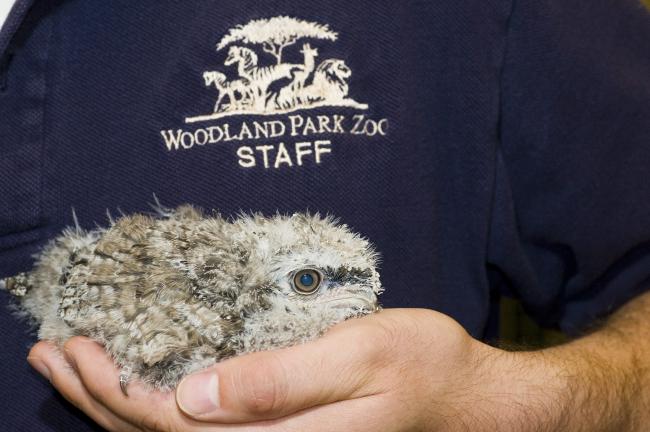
<point x="397" y="370"/>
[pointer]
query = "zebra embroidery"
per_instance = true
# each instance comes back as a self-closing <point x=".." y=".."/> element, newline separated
<point x="228" y="88"/>
<point x="260" y="77"/>
<point x="277" y="88"/>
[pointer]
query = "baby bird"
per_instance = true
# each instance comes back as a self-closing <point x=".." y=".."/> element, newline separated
<point x="171" y="294"/>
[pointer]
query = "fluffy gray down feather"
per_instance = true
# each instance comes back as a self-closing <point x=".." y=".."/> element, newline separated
<point x="170" y="294"/>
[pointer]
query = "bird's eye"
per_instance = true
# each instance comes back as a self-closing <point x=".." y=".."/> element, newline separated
<point x="306" y="281"/>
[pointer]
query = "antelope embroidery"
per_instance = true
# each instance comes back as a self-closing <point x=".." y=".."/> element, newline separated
<point x="287" y="96"/>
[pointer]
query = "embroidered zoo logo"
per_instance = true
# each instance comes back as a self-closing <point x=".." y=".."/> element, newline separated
<point x="255" y="82"/>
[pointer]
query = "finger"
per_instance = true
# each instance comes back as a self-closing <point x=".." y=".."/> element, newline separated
<point x="144" y="408"/>
<point x="99" y="375"/>
<point x="270" y="385"/>
<point x="358" y="414"/>
<point x="49" y="361"/>
<point x="158" y="411"/>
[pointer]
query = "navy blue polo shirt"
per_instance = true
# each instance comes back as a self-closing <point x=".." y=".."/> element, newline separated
<point x="487" y="147"/>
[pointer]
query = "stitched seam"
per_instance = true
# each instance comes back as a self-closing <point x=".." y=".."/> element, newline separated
<point x="42" y="138"/>
<point x="506" y="46"/>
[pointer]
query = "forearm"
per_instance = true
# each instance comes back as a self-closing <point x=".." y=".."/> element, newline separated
<point x="607" y="373"/>
<point x="599" y="382"/>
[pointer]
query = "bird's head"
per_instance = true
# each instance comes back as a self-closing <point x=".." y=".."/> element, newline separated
<point x="311" y="272"/>
<point x="279" y="280"/>
<point x="313" y="261"/>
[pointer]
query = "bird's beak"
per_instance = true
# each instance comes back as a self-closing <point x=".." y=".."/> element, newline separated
<point x="363" y="298"/>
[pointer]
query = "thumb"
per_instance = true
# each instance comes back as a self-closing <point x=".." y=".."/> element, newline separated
<point x="275" y="384"/>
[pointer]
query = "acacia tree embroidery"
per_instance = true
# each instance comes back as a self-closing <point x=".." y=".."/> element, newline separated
<point x="301" y="86"/>
<point x="276" y="34"/>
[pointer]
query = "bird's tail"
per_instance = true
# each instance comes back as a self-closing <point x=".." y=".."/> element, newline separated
<point x="18" y="285"/>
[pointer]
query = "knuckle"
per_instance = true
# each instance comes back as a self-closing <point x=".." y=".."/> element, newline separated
<point x="41" y="349"/>
<point x="74" y="343"/>
<point x="380" y="341"/>
<point x="103" y="389"/>
<point x="69" y="345"/>
<point x="261" y="385"/>
<point x="387" y="341"/>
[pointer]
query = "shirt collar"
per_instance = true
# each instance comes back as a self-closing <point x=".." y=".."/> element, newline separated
<point x="16" y="15"/>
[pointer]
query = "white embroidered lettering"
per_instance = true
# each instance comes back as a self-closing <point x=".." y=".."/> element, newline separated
<point x="310" y="127"/>
<point x="282" y="157"/>
<point x="257" y="79"/>
<point x="245" y="132"/>
<point x="277" y="128"/>
<point x="357" y="129"/>
<point x="383" y="127"/>
<point x="261" y="130"/>
<point x="324" y="124"/>
<point x="338" y="124"/>
<point x="246" y="157"/>
<point x="201" y="137"/>
<point x="171" y="140"/>
<point x="189" y="142"/>
<point x="302" y="149"/>
<point x="265" y="152"/>
<point x="296" y="122"/>
<point x="322" y="147"/>
<point x="226" y="133"/>
<point x="215" y="139"/>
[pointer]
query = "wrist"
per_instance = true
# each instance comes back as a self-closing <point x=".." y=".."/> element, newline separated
<point x="602" y="384"/>
<point x="571" y="387"/>
<point x="524" y="391"/>
<point x="493" y="389"/>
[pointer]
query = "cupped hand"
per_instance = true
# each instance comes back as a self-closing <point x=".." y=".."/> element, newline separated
<point x="394" y="371"/>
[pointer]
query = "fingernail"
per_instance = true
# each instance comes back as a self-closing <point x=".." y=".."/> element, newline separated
<point x="199" y="394"/>
<point x="40" y="367"/>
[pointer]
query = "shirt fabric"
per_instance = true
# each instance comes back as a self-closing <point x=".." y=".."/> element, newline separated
<point x="488" y="148"/>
